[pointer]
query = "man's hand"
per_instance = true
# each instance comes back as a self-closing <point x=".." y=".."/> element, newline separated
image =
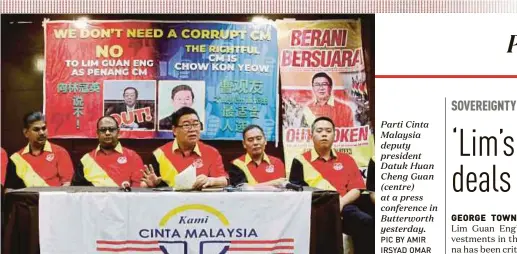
<point x="150" y="179"/>
<point x="66" y="184"/>
<point x="349" y="198"/>
<point x="202" y="181"/>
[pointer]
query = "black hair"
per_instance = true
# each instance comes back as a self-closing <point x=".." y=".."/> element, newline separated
<point x="102" y="117"/>
<point x="179" y="88"/>
<point x="130" y="87"/>
<point x="181" y="112"/>
<point x="322" y="75"/>
<point x="322" y="118"/>
<point x="252" y="126"/>
<point x="31" y="118"/>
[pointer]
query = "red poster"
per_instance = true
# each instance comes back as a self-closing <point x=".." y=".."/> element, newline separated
<point x="92" y="69"/>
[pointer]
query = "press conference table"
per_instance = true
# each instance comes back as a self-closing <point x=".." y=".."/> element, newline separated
<point x="21" y="227"/>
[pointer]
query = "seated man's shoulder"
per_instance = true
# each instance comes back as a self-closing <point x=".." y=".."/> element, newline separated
<point x="274" y="159"/>
<point x="89" y="154"/>
<point x="165" y="146"/>
<point x="305" y="156"/>
<point x="18" y="152"/>
<point x="130" y="151"/>
<point x="345" y="157"/>
<point x="208" y="148"/>
<point x="240" y="158"/>
<point x="57" y="148"/>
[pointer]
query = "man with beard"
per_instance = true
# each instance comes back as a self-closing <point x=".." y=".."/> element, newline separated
<point x="110" y="164"/>
<point x="185" y="151"/>
<point x="256" y="167"/>
<point x="40" y="163"/>
<point x="324" y="168"/>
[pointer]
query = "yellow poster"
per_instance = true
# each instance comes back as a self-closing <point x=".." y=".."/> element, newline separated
<point x="322" y="73"/>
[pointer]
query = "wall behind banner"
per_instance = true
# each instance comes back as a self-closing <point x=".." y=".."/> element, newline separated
<point x="22" y="84"/>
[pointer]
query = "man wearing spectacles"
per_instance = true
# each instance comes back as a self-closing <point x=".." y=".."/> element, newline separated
<point x="256" y="167"/>
<point x="110" y="164"/>
<point x="186" y="150"/>
<point x="130" y="107"/>
<point x="324" y="104"/>
<point x="40" y="163"/>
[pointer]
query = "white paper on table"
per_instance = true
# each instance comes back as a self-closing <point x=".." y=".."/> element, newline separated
<point x="186" y="179"/>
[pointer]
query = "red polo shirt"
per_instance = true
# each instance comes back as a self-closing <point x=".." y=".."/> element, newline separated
<point x="53" y="165"/>
<point x="340" y="170"/>
<point x="4" y="159"/>
<point x="270" y="168"/>
<point x="120" y="165"/>
<point x="336" y="110"/>
<point x="207" y="159"/>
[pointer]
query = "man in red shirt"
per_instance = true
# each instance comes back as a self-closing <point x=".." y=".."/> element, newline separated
<point x="40" y="163"/>
<point x="4" y="161"/>
<point x="324" y="104"/>
<point x="110" y="164"/>
<point x="186" y="150"/>
<point x="256" y="167"/>
<point x="324" y="168"/>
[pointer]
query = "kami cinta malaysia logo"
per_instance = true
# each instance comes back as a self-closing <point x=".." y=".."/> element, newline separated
<point x="212" y="232"/>
<point x="198" y="228"/>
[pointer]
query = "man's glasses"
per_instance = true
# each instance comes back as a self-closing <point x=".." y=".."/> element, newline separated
<point x="105" y="129"/>
<point x="321" y="84"/>
<point x="189" y="126"/>
<point x="38" y="129"/>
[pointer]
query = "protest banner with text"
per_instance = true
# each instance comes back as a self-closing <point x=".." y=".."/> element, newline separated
<point x="140" y="72"/>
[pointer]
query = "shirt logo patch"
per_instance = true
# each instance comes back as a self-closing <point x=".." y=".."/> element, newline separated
<point x="338" y="166"/>
<point x="50" y="157"/>
<point x="270" y="169"/>
<point x="198" y="163"/>
<point x="122" y="160"/>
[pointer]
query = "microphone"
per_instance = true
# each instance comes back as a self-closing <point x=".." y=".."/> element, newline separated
<point x="125" y="186"/>
<point x="292" y="186"/>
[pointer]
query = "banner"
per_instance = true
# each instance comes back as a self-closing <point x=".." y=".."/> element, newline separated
<point x="322" y="73"/>
<point x="178" y="223"/>
<point x="140" y="72"/>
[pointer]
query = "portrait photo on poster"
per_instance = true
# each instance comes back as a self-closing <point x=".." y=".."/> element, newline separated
<point x="341" y="96"/>
<point x="175" y="94"/>
<point x="132" y="103"/>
